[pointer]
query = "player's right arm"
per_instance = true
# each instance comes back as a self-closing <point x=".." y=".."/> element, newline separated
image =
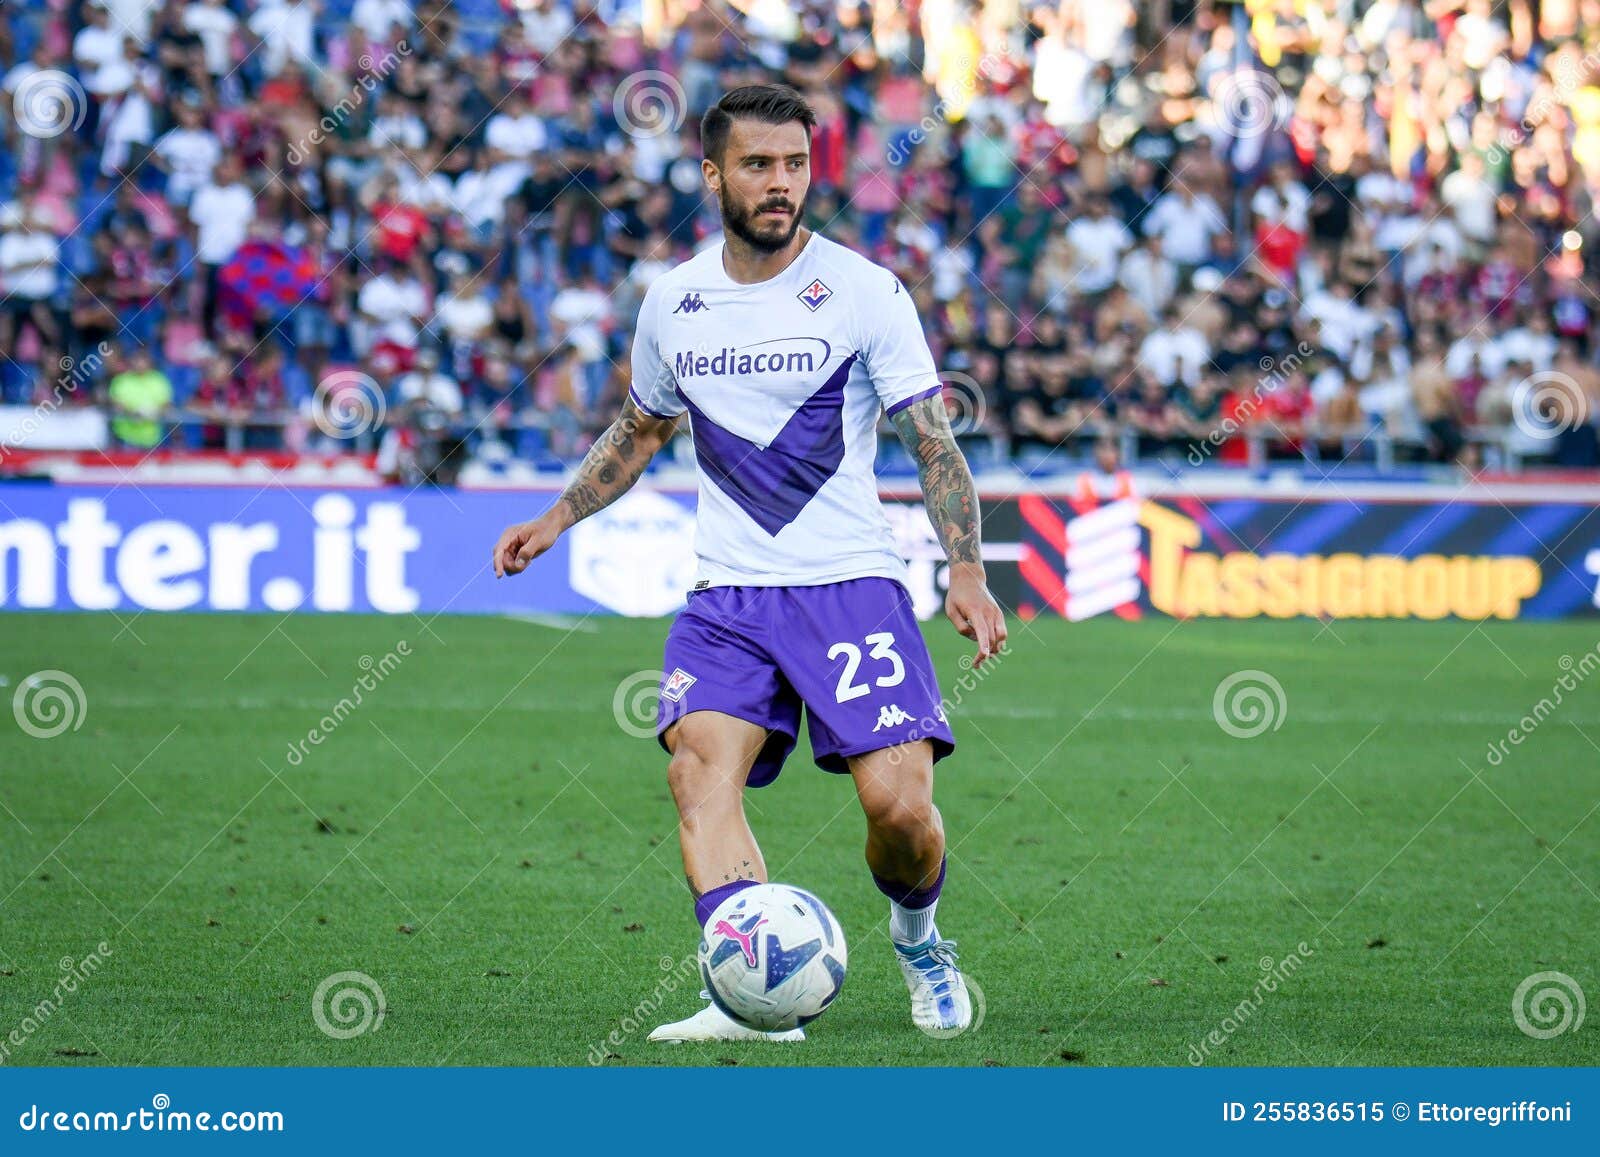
<point x="612" y="465"/>
<point x="618" y="457"/>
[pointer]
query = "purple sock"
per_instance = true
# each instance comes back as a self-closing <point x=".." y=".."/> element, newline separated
<point x="908" y="897"/>
<point x="712" y="900"/>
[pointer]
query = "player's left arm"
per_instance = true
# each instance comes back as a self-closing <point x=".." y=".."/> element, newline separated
<point x="952" y="501"/>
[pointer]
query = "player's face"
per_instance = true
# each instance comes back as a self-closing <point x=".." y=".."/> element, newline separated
<point x="762" y="182"/>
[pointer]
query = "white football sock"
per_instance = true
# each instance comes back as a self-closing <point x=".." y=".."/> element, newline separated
<point x="911" y="925"/>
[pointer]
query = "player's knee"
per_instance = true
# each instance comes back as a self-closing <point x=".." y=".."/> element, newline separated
<point x="910" y="824"/>
<point x="696" y="781"/>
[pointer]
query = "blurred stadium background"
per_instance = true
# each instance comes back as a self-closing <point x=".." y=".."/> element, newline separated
<point x="1355" y="233"/>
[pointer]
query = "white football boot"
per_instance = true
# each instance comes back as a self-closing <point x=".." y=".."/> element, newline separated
<point x="711" y="1023"/>
<point x="940" y="1005"/>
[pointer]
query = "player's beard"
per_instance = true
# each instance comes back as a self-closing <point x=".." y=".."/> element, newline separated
<point x="769" y="239"/>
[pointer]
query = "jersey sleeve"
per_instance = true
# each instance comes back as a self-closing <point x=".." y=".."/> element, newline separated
<point x="896" y="353"/>
<point x="654" y="390"/>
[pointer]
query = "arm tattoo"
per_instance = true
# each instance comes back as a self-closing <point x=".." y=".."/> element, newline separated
<point x="615" y="461"/>
<point x="947" y="487"/>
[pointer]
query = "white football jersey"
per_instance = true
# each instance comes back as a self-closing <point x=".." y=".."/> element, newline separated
<point x="783" y="382"/>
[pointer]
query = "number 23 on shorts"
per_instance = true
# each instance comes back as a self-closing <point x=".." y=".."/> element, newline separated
<point x="882" y="650"/>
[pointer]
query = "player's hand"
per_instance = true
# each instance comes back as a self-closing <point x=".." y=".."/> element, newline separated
<point x="974" y="612"/>
<point x="521" y="544"/>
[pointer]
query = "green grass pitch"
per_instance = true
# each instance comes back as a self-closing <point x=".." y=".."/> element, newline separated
<point x="484" y="841"/>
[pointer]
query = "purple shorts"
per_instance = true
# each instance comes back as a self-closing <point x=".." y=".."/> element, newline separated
<point x="850" y="653"/>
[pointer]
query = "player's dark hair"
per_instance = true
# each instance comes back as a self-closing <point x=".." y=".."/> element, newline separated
<point x="773" y="104"/>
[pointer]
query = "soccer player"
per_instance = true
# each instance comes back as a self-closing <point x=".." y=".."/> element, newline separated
<point x="783" y="349"/>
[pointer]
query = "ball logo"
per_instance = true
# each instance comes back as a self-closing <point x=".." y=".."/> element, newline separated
<point x="744" y="938"/>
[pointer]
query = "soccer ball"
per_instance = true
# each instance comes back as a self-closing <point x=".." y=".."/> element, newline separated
<point x="772" y="957"/>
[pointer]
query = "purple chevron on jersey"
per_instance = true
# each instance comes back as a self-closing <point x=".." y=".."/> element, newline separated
<point x="773" y="485"/>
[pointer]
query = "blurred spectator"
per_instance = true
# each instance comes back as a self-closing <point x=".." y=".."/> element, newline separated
<point x="139" y="395"/>
<point x="1118" y="221"/>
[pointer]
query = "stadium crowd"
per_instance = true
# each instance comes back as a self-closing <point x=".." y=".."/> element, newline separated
<point x="1216" y="232"/>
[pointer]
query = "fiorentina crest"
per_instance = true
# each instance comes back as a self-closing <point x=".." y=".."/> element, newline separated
<point x="814" y="295"/>
<point x="675" y="684"/>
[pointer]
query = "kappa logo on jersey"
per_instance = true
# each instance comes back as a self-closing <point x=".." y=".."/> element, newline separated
<point x="675" y="684"/>
<point x="891" y="716"/>
<point x="814" y="295"/>
<point x="691" y="303"/>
